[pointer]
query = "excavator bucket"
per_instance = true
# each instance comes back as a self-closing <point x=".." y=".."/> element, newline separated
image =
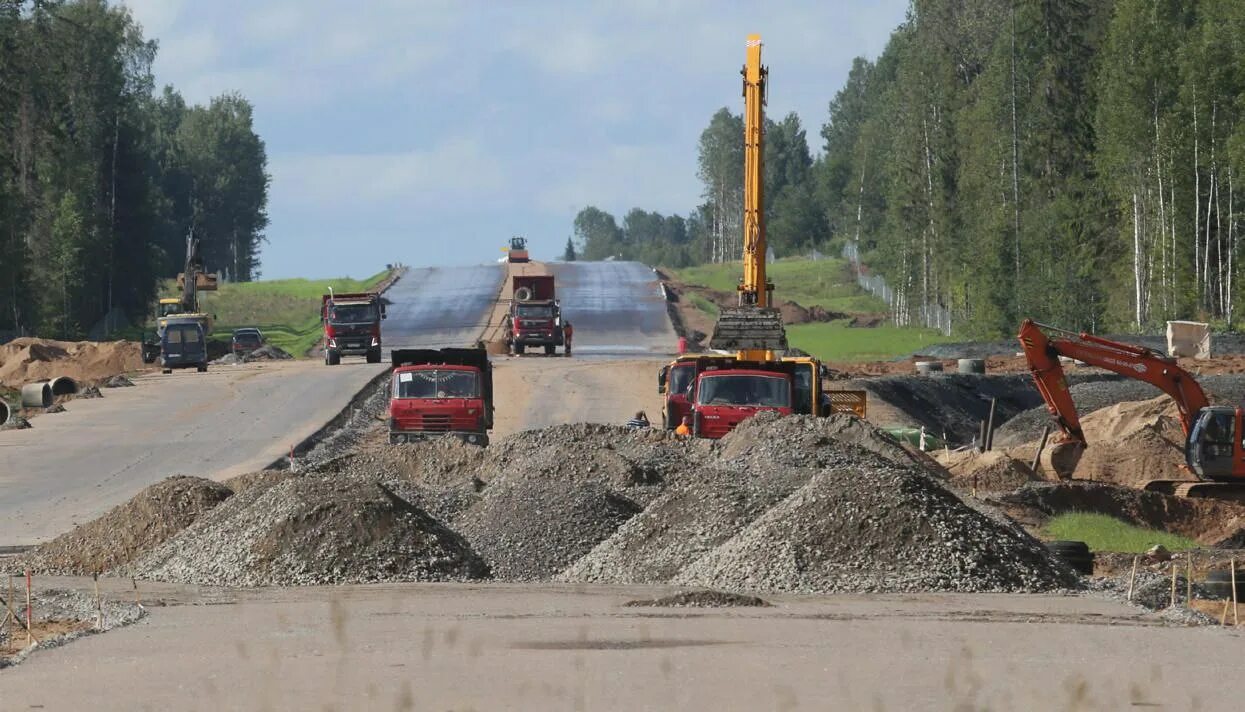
<point x="749" y="329"/>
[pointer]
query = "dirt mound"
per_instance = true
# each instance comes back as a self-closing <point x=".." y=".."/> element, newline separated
<point x="1132" y="443"/>
<point x="26" y="360"/>
<point x="993" y="471"/>
<point x="529" y="530"/>
<point x="1206" y="520"/>
<point x="313" y="529"/>
<point x="877" y="527"/>
<point x="702" y="599"/>
<point x="149" y="519"/>
<point x="794" y="313"/>
<point x="268" y="352"/>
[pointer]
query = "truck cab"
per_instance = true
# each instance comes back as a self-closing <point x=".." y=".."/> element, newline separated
<point x="674" y="381"/>
<point x="725" y="394"/>
<point x="535" y="317"/>
<point x="441" y="392"/>
<point x="351" y="326"/>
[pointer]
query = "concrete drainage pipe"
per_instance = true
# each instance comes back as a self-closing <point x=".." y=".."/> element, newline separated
<point x="37" y="395"/>
<point x="927" y="367"/>
<point x="64" y="386"/>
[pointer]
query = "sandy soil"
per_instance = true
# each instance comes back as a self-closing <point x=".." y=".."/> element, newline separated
<point x="535" y="391"/>
<point x="563" y="647"/>
<point x="27" y="360"/>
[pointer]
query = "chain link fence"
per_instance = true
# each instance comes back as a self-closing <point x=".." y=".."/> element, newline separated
<point x="932" y="316"/>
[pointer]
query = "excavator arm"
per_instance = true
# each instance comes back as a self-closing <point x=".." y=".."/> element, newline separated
<point x="1043" y="352"/>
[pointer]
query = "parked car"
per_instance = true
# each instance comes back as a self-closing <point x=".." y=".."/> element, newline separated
<point x="246" y="340"/>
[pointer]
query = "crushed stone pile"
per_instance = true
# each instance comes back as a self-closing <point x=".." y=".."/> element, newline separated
<point x="55" y="604"/>
<point x="321" y="528"/>
<point x="118" y="381"/>
<point x="701" y="599"/>
<point x="782" y="504"/>
<point x="267" y="352"/>
<point x="129" y="530"/>
<point x="877" y="527"/>
<point x="26" y="360"/>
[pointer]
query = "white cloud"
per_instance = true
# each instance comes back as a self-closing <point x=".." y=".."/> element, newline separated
<point x="620" y="178"/>
<point x="156" y="16"/>
<point x="455" y="172"/>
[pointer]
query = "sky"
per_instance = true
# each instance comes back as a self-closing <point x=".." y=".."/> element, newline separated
<point x="429" y="132"/>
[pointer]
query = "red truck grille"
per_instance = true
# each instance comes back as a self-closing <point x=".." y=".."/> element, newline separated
<point x="436" y="422"/>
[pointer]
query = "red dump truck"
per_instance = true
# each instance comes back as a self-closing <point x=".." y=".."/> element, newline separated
<point x="535" y="317"/>
<point x="351" y="326"/>
<point x="726" y="392"/>
<point x="441" y="392"/>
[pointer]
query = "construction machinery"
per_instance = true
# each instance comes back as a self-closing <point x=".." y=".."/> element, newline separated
<point x="518" y="250"/>
<point x="535" y="317"/>
<point x="351" y="325"/>
<point x="185" y="308"/>
<point x="440" y="393"/>
<point x="1214" y="451"/>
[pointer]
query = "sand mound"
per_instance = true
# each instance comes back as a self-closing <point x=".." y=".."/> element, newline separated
<point x="313" y="529"/>
<point x="877" y="528"/>
<point x="26" y="360"/>
<point x="994" y="471"/>
<point x="151" y="518"/>
<point x="1132" y="443"/>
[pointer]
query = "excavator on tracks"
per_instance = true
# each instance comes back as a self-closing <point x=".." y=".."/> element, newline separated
<point x="1214" y="434"/>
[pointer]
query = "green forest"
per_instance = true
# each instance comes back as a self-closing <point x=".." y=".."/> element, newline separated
<point x="102" y="177"/>
<point x="1074" y="161"/>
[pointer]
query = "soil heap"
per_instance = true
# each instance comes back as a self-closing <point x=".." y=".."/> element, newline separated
<point x="26" y="360"/>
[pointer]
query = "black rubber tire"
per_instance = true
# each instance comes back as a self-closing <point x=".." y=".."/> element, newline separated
<point x="551" y="350"/>
<point x="518" y="349"/>
<point x="203" y="368"/>
<point x="1219" y="584"/>
<point x="331" y="357"/>
<point x="166" y="370"/>
<point x="373" y="356"/>
<point x="1063" y="546"/>
<point x="1081" y="564"/>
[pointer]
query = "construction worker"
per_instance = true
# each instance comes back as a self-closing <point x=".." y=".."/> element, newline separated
<point x="685" y="428"/>
<point x="567" y="332"/>
<point x="640" y="420"/>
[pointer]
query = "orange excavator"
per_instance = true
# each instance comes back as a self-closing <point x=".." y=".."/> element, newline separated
<point x="1213" y="434"/>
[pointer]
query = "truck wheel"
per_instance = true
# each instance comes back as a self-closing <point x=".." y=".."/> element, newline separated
<point x="373" y="356"/>
<point x="331" y="357"/>
<point x="518" y="349"/>
<point x="203" y="368"/>
<point x="551" y="350"/>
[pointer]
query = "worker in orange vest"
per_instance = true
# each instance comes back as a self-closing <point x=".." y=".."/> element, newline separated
<point x="567" y="332"/>
<point x="685" y="428"/>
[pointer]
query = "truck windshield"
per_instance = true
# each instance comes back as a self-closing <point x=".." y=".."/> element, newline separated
<point x="770" y="391"/>
<point x="352" y="313"/>
<point x="680" y="379"/>
<point x="436" y="384"/>
<point x="535" y="312"/>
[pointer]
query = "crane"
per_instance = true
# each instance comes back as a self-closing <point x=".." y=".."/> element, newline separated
<point x="1213" y="434"/>
<point x="753" y="328"/>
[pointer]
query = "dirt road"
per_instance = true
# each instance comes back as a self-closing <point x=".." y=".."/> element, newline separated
<point x="535" y="392"/>
<point x="74" y="466"/>
<point x="578" y="648"/>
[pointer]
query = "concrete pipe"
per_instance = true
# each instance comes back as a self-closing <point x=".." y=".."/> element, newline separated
<point x="64" y="386"/>
<point x="523" y="294"/>
<point x="37" y="395"/>
<point x="4" y="412"/>
<point x="928" y="367"/>
<point x="971" y="365"/>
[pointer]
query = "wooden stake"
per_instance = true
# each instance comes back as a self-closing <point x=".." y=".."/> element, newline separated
<point x="1223" y="619"/>
<point x="1235" y="619"/>
<point x="990" y="426"/>
<point x="1188" y="579"/>
<point x="1132" y="579"/>
<point x="1037" y="456"/>
<point x="1173" y="602"/>
<point x="9" y="607"/>
<point x="138" y="601"/>
<point x="99" y="605"/>
<point x="29" y="617"/>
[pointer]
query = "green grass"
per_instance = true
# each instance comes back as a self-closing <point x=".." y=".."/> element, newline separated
<point x="704" y="305"/>
<point x="827" y="283"/>
<point x="1104" y="533"/>
<point x="286" y="310"/>
<point x="835" y="341"/>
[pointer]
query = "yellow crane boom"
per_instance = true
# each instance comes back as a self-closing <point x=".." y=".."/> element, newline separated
<point x="753" y="328"/>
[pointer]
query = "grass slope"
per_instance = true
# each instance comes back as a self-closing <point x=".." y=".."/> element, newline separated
<point x="1104" y="533"/>
<point x="286" y="310"/>
<point x="826" y="283"/>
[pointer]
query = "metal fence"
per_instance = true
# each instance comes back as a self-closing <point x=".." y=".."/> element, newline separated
<point x="932" y="316"/>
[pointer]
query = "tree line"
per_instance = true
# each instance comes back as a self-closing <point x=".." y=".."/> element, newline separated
<point x="102" y="178"/>
<point x="1072" y="161"/>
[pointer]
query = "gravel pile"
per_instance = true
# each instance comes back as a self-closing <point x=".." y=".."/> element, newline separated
<point x="321" y="528"/>
<point x="118" y="381"/>
<point x="131" y="529"/>
<point x="701" y="599"/>
<point x="65" y="605"/>
<point x="877" y="527"/>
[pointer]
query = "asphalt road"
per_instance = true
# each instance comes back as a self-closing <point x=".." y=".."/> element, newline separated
<point x="435" y="307"/>
<point x="73" y="466"/>
<point x="550" y="647"/>
<point x="617" y="308"/>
